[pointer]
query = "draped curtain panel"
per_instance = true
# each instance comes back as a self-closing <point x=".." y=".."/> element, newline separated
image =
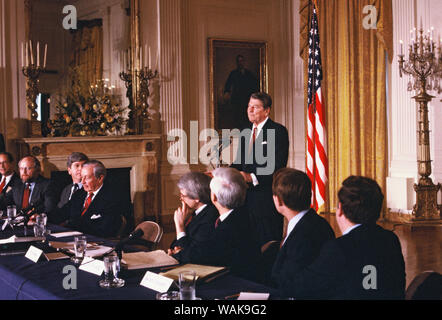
<point x="354" y="87"/>
<point x="87" y="53"/>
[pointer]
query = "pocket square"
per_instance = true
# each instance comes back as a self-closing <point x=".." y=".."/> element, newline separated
<point x="96" y="216"/>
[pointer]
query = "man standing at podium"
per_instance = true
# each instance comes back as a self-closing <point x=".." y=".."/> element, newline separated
<point x="262" y="150"/>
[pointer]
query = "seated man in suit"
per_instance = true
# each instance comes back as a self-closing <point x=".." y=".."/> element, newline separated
<point x="306" y="230"/>
<point x="231" y="243"/>
<point x="34" y="190"/>
<point x="8" y="177"/>
<point x="96" y="209"/>
<point x="75" y="163"/>
<point x="366" y="262"/>
<point x="195" y="219"/>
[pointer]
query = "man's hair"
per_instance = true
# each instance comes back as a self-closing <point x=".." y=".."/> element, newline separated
<point x="196" y="185"/>
<point x="37" y="164"/>
<point x="264" y="98"/>
<point x="361" y="199"/>
<point x="229" y="187"/>
<point x="293" y="187"/>
<point x="76" y="157"/>
<point x="99" y="168"/>
<point x="8" y="155"/>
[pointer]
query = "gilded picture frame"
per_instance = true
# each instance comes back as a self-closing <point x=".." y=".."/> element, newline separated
<point x="237" y="68"/>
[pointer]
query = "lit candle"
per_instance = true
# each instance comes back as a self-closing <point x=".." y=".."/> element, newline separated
<point x="44" y="59"/>
<point x="22" y="55"/>
<point x="150" y="65"/>
<point x="141" y="56"/>
<point x="27" y="54"/>
<point x="38" y="53"/>
<point x="145" y="53"/>
<point x="402" y="44"/>
<point x="32" y="53"/>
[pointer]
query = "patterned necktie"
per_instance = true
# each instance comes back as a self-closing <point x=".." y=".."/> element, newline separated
<point x="87" y="203"/>
<point x="74" y="190"/>
<point x="26" y="193"/>
<point x="2" y="185"/>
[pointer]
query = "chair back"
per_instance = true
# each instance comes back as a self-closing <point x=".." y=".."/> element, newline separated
<point x="269" y="251"/>
<point x="425" y="286"/>
<point x="152" y="231"/>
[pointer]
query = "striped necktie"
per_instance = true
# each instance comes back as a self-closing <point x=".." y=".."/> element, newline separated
<point x="2" y="185"/>
<point x="87" y="203"/>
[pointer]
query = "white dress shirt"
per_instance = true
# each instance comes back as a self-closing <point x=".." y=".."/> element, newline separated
<point x="258" y="130"/>
<point x="350" y="228"/>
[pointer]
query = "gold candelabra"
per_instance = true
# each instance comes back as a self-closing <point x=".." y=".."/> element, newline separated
<point x="32" y="72"/>
<point x="137" y="81"/>
<point x="424" y="68"/>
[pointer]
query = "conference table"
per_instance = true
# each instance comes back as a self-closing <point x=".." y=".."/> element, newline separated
<point x="22" y="279"/>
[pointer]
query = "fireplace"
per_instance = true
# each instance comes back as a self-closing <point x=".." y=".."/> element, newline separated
<point x="135" y="157"/>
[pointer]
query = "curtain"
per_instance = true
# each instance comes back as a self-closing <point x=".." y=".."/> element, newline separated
<point x="354" y="87"/>
<point x="87" y="50"/>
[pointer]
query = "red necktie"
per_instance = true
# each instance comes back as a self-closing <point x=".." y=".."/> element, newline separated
<point x="87" y="203"/>
<point x="253" y="139"/>
<point x="26" y="193"/>
<point x="217" y="223"/>
<point x="190" y="219"/>
<point x="2" y="185"/>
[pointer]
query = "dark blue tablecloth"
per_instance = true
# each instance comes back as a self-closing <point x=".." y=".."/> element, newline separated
<point x="21" y="278"/>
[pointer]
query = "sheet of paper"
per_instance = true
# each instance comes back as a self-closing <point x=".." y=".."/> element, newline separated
<point x="152" y="259"/>
<point x="253" y="296"/>
<point x="66" y="234"/>
<point x="8" y="240"/>
<point x="156" y="282"/>
<point x="33" y="254"/>
<point x="92" y="266"/>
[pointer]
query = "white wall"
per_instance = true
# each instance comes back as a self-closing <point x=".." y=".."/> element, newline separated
<point x="402" y="111"/>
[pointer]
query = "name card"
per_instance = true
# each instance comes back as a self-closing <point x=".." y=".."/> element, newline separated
<point x="253" y="296"/>
<point x="92" y="266"/>
<point x="156" y="282"/>
<point x="33" y="254"/>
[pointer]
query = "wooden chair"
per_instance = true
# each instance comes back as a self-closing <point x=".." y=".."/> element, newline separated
<point x="151" y="237"/>
<point x="425" y="286"/>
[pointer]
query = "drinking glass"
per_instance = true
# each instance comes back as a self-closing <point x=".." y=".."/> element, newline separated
<point x="40" y="225"/>
<point x="12" y="213"/>
<point x="171" y="295"/>
<point x="111" y="271"/>
<point x="187" y="282"/>
<point x="80" y="244"/>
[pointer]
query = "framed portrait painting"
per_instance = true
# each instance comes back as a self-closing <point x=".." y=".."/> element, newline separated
<point x="237" y="68"/>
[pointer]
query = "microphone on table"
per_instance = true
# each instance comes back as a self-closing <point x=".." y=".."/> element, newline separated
<point x="136" y="234"/>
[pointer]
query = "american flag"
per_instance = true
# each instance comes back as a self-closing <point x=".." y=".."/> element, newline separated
<point x="317" y="162"/>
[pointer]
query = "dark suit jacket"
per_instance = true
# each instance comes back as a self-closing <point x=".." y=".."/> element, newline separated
<point x="15" y="180"/>
<point x="301" y="247"/>
<point x="44" y="196"/>
<point x="199" y="230"/>
<point x="267" y="224"/>
<point x="64" y="196"/>
<point x="251" y="165"/>
<point x="230" y="245"/>
<point x="102" y="218"/>
<point x="338" y="272"/>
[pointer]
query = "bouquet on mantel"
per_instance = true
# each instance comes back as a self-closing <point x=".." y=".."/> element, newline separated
<point x="89" y="111"/>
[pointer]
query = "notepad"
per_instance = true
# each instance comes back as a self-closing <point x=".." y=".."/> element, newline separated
<point x="152" y="259"/>
<point x="66" y="234"/>
<point x="203" y="273"/>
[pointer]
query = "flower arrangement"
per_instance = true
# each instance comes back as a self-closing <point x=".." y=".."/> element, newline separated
<point x="89" y="112"/>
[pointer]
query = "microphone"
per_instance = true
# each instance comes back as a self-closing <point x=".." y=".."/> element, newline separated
<point x="138" y="233"/>
<point x="218" y="149"/>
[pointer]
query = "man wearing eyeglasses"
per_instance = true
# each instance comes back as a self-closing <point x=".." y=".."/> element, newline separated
<point x="34" y="189"/>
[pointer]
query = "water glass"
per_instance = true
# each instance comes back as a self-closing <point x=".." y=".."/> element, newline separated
<point x="80" y="244"/>
<point x="40" y="225"/>
<point x="11" y="212"/>
<point x="186" y="283"/>
<point x="111" y="272"/>
<point x="171" y="295"/>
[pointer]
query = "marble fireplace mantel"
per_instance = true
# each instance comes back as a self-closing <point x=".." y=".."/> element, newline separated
<point x="140" y="153"/>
